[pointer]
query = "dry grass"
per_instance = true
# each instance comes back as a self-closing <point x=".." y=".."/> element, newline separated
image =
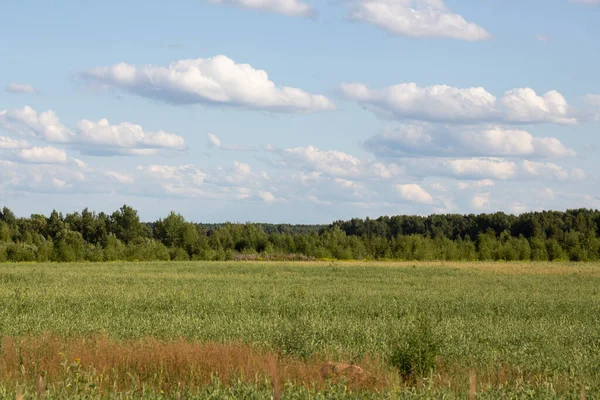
<point x="46" y="360"/>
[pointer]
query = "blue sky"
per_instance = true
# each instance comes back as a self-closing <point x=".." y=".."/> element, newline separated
<point x="316" y="111"/>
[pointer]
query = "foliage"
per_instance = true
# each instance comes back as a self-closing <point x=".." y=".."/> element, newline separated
<point x="556" y="236"/>
<point x="414" y="354"/>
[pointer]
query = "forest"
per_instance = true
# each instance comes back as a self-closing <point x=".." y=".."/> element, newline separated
<point x="573" y="235"/>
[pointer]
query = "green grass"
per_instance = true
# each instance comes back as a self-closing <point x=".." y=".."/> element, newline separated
<point x="540" y="320"/>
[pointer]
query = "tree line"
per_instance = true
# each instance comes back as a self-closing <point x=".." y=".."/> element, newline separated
<point x="88" y="236"/>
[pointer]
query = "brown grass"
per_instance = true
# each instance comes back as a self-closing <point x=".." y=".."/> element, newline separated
<point x="47" y="360"/>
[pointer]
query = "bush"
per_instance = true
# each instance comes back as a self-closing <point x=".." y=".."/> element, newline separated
<point x="3" y="255"/>
<point x="178" y="254"/>
<point x="21" y="252"/>
<point x="115" y="249"/>
<point x="148" y="250"/>
<point x="414" y="355"/>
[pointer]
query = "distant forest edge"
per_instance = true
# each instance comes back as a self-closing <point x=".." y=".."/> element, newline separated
<point x="87" y="236"/>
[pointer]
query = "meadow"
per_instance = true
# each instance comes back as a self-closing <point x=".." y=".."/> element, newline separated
<point x="300" y="330"/>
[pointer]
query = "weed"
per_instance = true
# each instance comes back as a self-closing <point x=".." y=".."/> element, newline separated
<point x="414" y="354"/>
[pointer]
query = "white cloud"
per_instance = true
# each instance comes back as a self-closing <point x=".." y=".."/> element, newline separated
<point x="7" y="143"/>
<point x="184" y="180"/>
<point x="176" y="175"/>
<point x="485" y="183"/>
<point x="216" y="81"/>
<point x="125" y="135"/>
<point x="548" y="170"/>
<point x="525" y="106"/>
<point x="214" y="141"/>
<point x="474" y="105"/>
<point x="451" y="141"/>
<point x="42" y="155"/>
<point x="119" y="177"/>
<point x="417" y="18"/>
<point x="33" y="177"/>
<point x="59" y="183"/>
<point x="267" y="197"/>
<point x="92" y="138"/>
<point x="17" y="88"/>
<point x="480" y="201"/>
<point x="414" y="193"/>
<point x="26" y="121"/>
<point x="80" y="163"/>
<point x="293" y="8"/>
<point x="485" y="169"/>
<point x="482" y="168"/>
<point x="314" y="162"/>
<point x="332" y="162"/>
<point x="519" y="208"/>
<point x="542" y="38"/>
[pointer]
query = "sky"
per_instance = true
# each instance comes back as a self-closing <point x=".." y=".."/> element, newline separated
<point x="299" y="111"/>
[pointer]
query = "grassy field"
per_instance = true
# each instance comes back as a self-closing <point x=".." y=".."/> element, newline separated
<point x="303" y="330"/>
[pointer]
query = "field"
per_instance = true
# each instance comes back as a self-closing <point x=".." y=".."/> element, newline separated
<point x="300" y="330"/>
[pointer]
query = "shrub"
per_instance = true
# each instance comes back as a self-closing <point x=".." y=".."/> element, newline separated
<point x="414" y="355"/>
<point x="293" y="339"/>
<point x="21" y="252"/>
<point x="178" y="254"/>
<point x="3" y="255"/>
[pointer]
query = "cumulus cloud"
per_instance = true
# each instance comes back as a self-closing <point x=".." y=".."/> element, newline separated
<point x="7" y="143"/>
<point x="17" y="88"/>
<point x="441" y="103"/>
<point x="92" y="138"/>
<point x="28" y="122"/>
<point x="215" y="81"/>
<point x="336" y="163"/>
<point x="34" y="177"/>
<point x="293" y="8"/>
<point x="414" y="193"/>
<point x="125" y="135"/>
<point x="417" y="18"/>
<point x="239" y="174"/>
<point x="525" y="106"/>
<point x="482" y="168"/>
<point x="331" y="162"/>
<point x="488" y="169"/>
<point x="548" y="170"/>
<point x="183" y="180"/>
<point x="42" y="155"/>
<point x="450" y="141"/>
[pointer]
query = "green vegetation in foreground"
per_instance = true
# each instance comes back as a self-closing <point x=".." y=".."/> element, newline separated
<point x="541" y="320"/>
